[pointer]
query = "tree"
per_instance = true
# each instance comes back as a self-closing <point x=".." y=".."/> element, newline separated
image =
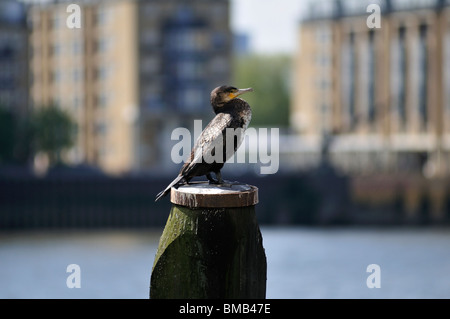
<point x="54" y="131"/>
<point x="270" y="78"/>
<point x="7" y="134"/>
<point x="15" y="137"/>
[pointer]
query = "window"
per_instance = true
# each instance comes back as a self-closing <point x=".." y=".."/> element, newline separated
<point x="188" y="40"/>
<point x="351" y="71"/>
<point x="447" y="69"/>
<point x="76" y="101"/>
<point x="77" y="47"/>
<point x="323" y="35"/>
<point x="346" y="79"/>
<point x="219" y="40"/>
<point x="56" y="49"/>
<point x="150" y="65"/>
<point x="149" y="37"/>
<point x="326" y="116"/>
<point x="423" y="62"/>
<point x="7" y="76"/>
<point x="219" y="65"/>
<point x="104" y="72"/>
<point x="104" y="16"/>
<point x="401" y="101"/>
<point x="103" y="100"/>
<point x="5" y="98"/>
<point x="153" y="101"/>
<point x="190" y="69"/>
<point x="104" y="44"/>
<point x="76" y="75"/>
<point x="150" y="11"/>
<point x="191" y="99"/>
<point x="56" y="76"/>
<point x="219" y="11"/>
<point x="101" y="127"/>
<point x="56" y="22"/>
<point x="372" y="77"/>
<point x="185" y="46"/>
<point x="151" y="97"/>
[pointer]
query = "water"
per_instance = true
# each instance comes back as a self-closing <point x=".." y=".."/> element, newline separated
<point x="302" y="263"/>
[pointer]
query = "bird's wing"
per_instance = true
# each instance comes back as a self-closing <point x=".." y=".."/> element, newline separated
<point x="210" y="139"/>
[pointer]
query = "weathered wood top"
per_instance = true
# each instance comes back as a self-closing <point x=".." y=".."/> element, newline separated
<point x="204" y="195"/>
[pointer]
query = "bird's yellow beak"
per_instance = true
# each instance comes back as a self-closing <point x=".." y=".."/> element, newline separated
<point x="239" y="92"/>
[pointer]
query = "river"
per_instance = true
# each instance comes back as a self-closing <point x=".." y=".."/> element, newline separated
<point x="302" y="263"/>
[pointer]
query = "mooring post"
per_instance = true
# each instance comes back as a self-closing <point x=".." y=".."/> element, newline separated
<point x="211" y="246"/>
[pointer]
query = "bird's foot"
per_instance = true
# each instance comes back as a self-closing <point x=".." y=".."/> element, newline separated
<point x="221" y="182"/>
<point x="213" y="181"/>
<point x="229" y="184"/>
<point x="225" y="185"/>
<point x="181" y="183"/>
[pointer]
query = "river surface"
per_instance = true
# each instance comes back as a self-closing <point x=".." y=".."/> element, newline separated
<point x="302" y="263"/>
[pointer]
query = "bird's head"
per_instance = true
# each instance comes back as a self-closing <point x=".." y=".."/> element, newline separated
<point x="225" y="93"/>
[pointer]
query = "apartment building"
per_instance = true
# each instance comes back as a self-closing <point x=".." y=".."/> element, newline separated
<point x="132" y="72"/>
<point x="379" y="94"/>
<point x="13" y="58"/>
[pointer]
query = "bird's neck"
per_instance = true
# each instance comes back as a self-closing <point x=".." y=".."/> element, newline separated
<point x="220" y="107"/>
<point x="217" y="105"/>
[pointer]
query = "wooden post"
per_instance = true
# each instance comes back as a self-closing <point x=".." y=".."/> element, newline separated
<point x="211" y="246"/>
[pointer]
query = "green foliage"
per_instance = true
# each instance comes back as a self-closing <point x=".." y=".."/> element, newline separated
<point x="15" y="137"/>
<point x="54" y="131"/>
<point x="269" y="76"/>
<point x="48" y="129"/>
<point x="7" y="134"/>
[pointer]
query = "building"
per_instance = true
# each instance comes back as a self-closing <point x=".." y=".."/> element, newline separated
<point x="13" y="58"/>
<point x="379" y="96"/>
<point x="88" y="71"/>
<point x="134" y="71"/>
<point x="184" y="53"/>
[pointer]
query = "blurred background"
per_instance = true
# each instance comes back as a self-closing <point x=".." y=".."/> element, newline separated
<point x="86" y="116"/>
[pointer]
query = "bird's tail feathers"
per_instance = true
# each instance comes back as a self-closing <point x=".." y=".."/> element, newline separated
<point x="175" y="182"/>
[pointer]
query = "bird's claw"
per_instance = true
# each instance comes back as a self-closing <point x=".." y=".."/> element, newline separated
<point x="226" y="184"/>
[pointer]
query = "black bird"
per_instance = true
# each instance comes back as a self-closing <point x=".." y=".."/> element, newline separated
<point x="231" y="113"/>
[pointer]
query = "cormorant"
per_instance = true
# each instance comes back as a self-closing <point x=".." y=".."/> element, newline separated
<point x="231" y="113"/>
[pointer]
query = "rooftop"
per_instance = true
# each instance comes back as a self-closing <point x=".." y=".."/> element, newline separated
<point x="327" y="9"/>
